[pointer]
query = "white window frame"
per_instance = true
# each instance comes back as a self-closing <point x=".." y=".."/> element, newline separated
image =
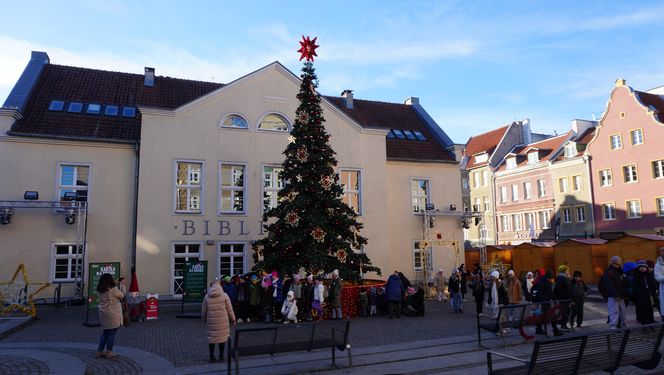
<point x="477" y="204"/>
<point x="577" y="182"/>
<point x="515" y="193"/>
<point x="659" y="206"/>
<point x="510" y="163"/>
<point x="233" y="114"/>
<point x="481" y="158"/>
<point x="563" y="184"/>
<point x="485" y="178"/>
<point x="349" y="192"/>
<point x="544" y="218"/>
<point x="189" y="255"/>
<point x="487" y="204"/>
<point x="283" y="116"/>
<point x="611" y="210"/>
<point x="617" y="145"/>
<point x="476" y="180"/>
<point x="541" y="188"/>
<point x="639" y="139"/>
<point x="505" y="224"/>
<point x="427" y="198"/>
<point x="631" y="175"/>
<point x="570" y="150"/>
<point x="232" y="255"/>
<point x="527" y="190"/>
<point x="657" y="168"/>
<point x="70" y="257"/>
<point x="633" y="214"/>
<point x="503" y="194"/>
<point x="200" y="186"/>
<point x="533" y="157"/>
<point x="531" y="217"/>
<point x="605" y="177"/>
<point x="580" y="214"/>
<point x="275" y="190"/>
<point x="517" y="222"/>
<point x="233" y="189"/>
<point x="417" y="252"/>
<point x="566" y="215"/>
<point x="59" y="187"/>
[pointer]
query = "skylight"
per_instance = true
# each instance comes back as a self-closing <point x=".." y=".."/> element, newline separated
<point x="111" y="110"/>
<point x="409" y="134"/>
<point x="419" y="135"/>
<point x="94" y="109"/>
<point x="399" y="133"/>
<point x="56" y="105"/>
<point x="75" y="107"/>
<point x="128" y="112"/>
<point x="390" y="135"/>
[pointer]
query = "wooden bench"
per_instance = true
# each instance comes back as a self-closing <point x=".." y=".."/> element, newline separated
<point x="579" y="354"/>
<point x="289" y="338"/>
<point x="509" y="317"/>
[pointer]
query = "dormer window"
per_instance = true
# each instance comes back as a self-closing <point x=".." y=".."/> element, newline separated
<point x="570" y="150"/>
<point x="56" y="105"/>
<point x="75" y="107"/>
<point x="510" y="163"/>
<point x="481" y="158"/>
<point x="273" y="122"/>
<point x="94" y="109"/>
<point x="533" y="157"/>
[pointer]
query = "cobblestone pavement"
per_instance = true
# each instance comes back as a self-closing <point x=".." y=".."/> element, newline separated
<point x="183" y="341"/>
<point x="19" y="365"/>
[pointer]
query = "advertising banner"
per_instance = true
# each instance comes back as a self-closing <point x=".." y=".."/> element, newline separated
<point x="152" y="306"/>
<point x="195" y="280"/>
<point x="95" y="270"/>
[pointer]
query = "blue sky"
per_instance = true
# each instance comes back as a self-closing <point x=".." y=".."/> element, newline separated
<point x="475" y="65"/>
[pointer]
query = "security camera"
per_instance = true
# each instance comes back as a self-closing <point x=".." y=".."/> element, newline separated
<point x="70" y="218"/>
<point x="6" y="215"/>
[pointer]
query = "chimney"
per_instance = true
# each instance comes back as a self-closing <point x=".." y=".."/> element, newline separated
<point x="579" y="126"/>
<point x="19" y="95"/>
<point x="527" y="133"/>
<point x="412" y="100"/>
<point x="149" y="77"/>
<point x="348" y="96"/>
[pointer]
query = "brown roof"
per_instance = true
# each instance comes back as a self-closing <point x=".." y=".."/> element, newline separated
<point x="69" y="84"/>
<point x="485" y="142"/>
<point x="374" y="114"/>
<point x="655" y="101"/>
<point x="581" y="139"/>
<point x="546" y="149"/>
<point x="588" y="241"/>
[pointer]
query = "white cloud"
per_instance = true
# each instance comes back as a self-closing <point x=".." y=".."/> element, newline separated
<point x="389" y="52"/>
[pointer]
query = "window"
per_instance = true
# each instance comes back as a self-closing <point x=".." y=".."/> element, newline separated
<point x="530" y="220"/>
<point x="417" y="257"/>
<point x="527" y="190"/>
<point x="476" y="206"/>
<point x="503" y="194"/>
<point x="419" y="135"/>
<point x="510" y="163"/>
<point x="658" y="169"/>
<point x="111" y="110"/>
<point x="515" y="193"/>
<point x="516" y="220"/>
<point x="275" y="122"/>
<point x="273" y="181"/>
<point x="562" y="184"/>
<point x="464" y="183"/>
<point x="567" y="215"/>
<point x="234" y="121"/>
<point x="609" y="211"/>
<point x="616" y="142"/>
<point x="605" y="178"/>
<point x="419" y="193"/>
<point x="636" y="136"/>
<point x="505" y="223"/>
<point x="580" y="214"/>
<point x="67" y="262"/>
<point x="409" y="134"/>
<point x="634" y="209"/>
<point x="75" y="107"/>
<point x="94" y="109"/>
<point x="128" y="112"/>
<point x="576" y="183"/>
<point x="390" y="135"/>
<point x="181" y="254"/>
<point x="188" y="182"/>
<point x="481" y="158"/>
<point x="541" y="188"/>
<point x="232" y="188"/>
<point x="487" y="205"/>
<point x="476" y="179"/>
<point x="74" y="178"/>
<point x="351" y="183"/>
<point x="399" y="134"/>
<point x="56" y="105"/>
<point x="485" y="178"/>
<point x="570" y="150"/>
<point x="629" y="174"/>
<point x="231" y="259"/>
<point x="533" y="157"/>
<point x="544" y="219"/>
<point x="659" y="206"/>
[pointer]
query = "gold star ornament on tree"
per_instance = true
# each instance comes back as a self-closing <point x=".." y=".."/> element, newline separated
<point x="308" y="48"/>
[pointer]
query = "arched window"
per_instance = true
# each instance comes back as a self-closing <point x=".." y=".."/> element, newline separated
<point x="234" y="121"/>
<point x="274" y="122"/>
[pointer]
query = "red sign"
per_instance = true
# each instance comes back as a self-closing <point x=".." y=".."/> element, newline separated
<point x="152" y="306"/>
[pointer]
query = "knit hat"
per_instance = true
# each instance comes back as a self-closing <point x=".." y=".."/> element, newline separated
<point x="616" y="259"/>
<point x="510" y="272"/>
<point x="310" y="278"/>
<point x="335" y="272"/>
<point x="227" y="279"/>
<point x="274" y="274"/>
<point x="133" y="286"/>
<point x="291" y="294"/>
<point x="254" y="277"/>
<point x="650" y="263"/>
<point x="628" y="266"/>
<point x="548" y="275"/>
<point x="529" y="274"/>
<point x="563" y="268"/>
<point x="640" y="263"/>
<point x="577" y="273"/>
<point x="495" y="274"/>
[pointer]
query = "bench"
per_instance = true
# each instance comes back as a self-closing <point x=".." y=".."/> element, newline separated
<point x="579" y="354"/>
<point x="509" y="317"/>
<point x="289" y="338"/>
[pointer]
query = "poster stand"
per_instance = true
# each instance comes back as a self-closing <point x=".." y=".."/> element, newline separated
<point x="95" y="270"/>
<point x="194" y="286"/>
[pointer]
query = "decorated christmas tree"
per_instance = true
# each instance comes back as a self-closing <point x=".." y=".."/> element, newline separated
<point x="311" y="228"/>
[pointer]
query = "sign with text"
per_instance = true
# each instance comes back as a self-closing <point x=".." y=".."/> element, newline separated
<point x="195" y="280"/>
<point x="152" y="306"/>
<point x="95" y="270"/>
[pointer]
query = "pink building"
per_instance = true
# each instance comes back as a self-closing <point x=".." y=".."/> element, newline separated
<point x="627" y="163"/>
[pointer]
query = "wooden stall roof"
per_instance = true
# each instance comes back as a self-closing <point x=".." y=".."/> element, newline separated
<point x="536" y="244"/>
<point x="585" y="241"/>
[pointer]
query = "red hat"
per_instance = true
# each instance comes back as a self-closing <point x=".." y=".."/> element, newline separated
<point x="133" y="287"/>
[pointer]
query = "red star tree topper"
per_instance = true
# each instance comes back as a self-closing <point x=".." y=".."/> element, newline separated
<point x="308" y="48"/>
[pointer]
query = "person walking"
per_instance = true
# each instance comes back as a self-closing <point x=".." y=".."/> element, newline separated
<point x="479" y="289"/>
<point x="514" y="292"/>
<point x="527" y="286"/>
<point x="579" y="293"/>
<point x="464" y="281"/>
<point x="395" y="293"/>
<point x="659" y="277"/>
<point x="454" y="285"/>
<point x="542" y="293"/>
<point x="645" y="292"/>
<point x="612" y="286"/>
<point x="493" y="298"/>
<point x="336" y="286"/>
<point x="440" y="285"/>
<point x="562" y="291"/>
<point x="217" y="312"/>
<point x="110" y="314"/>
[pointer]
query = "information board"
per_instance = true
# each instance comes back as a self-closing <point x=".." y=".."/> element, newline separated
<point x="195" y="280"/>
<point x="95" y="270"/>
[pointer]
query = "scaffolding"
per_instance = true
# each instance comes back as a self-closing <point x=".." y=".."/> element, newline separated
<point x="75" y="213"/>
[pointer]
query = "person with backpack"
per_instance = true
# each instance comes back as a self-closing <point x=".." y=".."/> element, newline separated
<point x="612" y="286"/>
<point x="579" y="293"/>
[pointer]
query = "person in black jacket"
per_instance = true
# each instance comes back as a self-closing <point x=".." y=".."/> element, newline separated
<point x="563" y="291"/>
<point x="612" y="286"/>
<point x="579" y="293"/>
<point x="645" y="292"/>
<point x="478" y="286"/>
<point x="542" y="293"/>
<point x="464" y="280"/>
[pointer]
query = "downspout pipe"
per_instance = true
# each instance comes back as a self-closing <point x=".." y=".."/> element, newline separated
<point x="137" y="150"/>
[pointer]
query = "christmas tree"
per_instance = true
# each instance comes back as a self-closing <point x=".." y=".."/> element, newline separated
<point x="311" y="228"/>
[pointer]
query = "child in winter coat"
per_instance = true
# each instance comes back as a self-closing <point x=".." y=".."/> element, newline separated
<point x="645" y="292"/>
<point x="289" y="308"/>
<point x="579" y="293"/>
